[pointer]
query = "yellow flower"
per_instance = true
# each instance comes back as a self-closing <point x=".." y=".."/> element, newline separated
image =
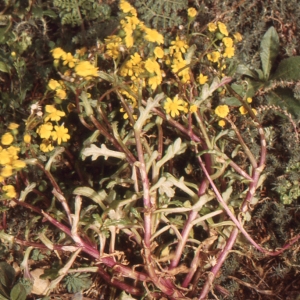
<point x="129" y="40"/>
<point x="152" y="66"/>
<point x="13" y="54"/>
<point x="228" y="42"/>
<point x="81" y="51"/>
<point x="173" y="107"/>
<point x="5" y="157"/>
<point x="222" y="111"/>
<point x="202" y="79"/>
<point x="53" y="113"/>
<point x="213" y="56"/>
<point x="27" y="138"/>
<point x="229" y="52"/>
<point x="159" y="52"/>
<point x="85" y="68"/>
<point x="13" y="126"/>
<point x="54" y="84"/>
<point x="223" y="28"/>
<point x="69" y="59"/>
<point x="18" y="164"/>
<point x="7" y="139"/>
<point x="243" y="110"/>
<point x="60" y="134"/>
<point x="212" y="27"/>
<point x="154" y="81"/>
<point x="153" y="36"/>
<point x="7" y="171"/>
<point x="249" y="100"/>
<point x="179" y="45"/>
<point x="193" y="108"/>
<point x="135" y="58"/>
<point x="254" y="111"/>
<point x="46" y="146"/>
<point x="192" y="12"/>
<point x="57" y="53"/>
<point x="113" y="44"/>
<point x="13" y="151"/>
<point x="222" y="123"/>
<point x="237" y="36"/>
<point x="60" y="93"/>
<point x="9" y="191"/>
<point x="125" y="6"/>
<point x="45" y="130"/>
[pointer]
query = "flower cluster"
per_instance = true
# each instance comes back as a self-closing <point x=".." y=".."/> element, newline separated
<point x="49" y="132"/>
<point x="9" y="156"/>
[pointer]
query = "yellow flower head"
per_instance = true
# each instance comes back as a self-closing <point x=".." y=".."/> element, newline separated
<point x="214" y="56"/>
<point x="6" y="171"/>
<point x="53" y="113"/>
<point x="228" y="42"/>
<point x="159" y="52"/>
<point x="175" y="106"/>
<point x="222" y="111"/>
<point x="7" y="139"/>
<point x="202" y="79"/>
<point x="85" y="68"/>
<point x="46" y="146"/>
<point x="54" y="84"/>
<point x="192" y="12"/>
<point x="57" y="53"/>
<point x="18" y="164"/>
<point x="27" y="138"/>
<point x="69" y="59"/>
<point x="153" y="36"/>
<point x="179" y="45"/>
<point x="152" y="66"/>
<point x="125" y="6"/>
<point x="60" y="134"/>
<point x="222" y="123"/>
<point x="154" y="81"/>
<point x="9" y="191"/>
<point x="212" y="27"/>
<point x="193" y="108"/>
<point x="249" y="100"/>
<point x="223" y="29"/>
<point x="243" y="110"/>
<point x="45" y="130"/>
<point x="229" y="52"/>
<point x="13" y="126"/>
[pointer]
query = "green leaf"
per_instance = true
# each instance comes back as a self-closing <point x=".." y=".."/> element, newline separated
<point x="284" y="98"/>
<point x="7" y="277"/>
<point x="20" y="291"/>
<point x="244" y="70"/>
<point x="288" y="69"/>
<point x="4" y="67"/>
<point x="269" y="48"/>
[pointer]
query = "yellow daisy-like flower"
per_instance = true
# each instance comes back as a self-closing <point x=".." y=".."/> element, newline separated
<point x="27" y="138"/>
<point x="175" y="106"/>
<point x="222" y="123"/>
<point x="13" y="151"/>
<point x="228" y="42"/>
<point x="85" y="69"/>
<point x="54" y="84"/>
<point x="179" y="45"/>
<point x="45" y="130"/>
<point x="154" y="36"/>
<point x="222" y="111"/>
<point x="46" y="146"/>
<point x="60" y="93"/>
<point x="238" y="37"/>
<point x="159" y="52"/>
<point x="214" y="56"/>
<point x="154" y="81"/>
<point x="249" y="100"/>
<point x="152" y="66"/>
<point x="69" y="60"/>
<point x="192" y="12"/>
<point x="13" y="126"/>
<point x="5" y="157"/>
<point x="202" y="79"/>
<point x="53" y="113"/>
<point x="7" y="139"/>
<point x="135" y="58"/>
<point x="60" y="134"/>
<point x="193" y="108"/>
<point x="6" y="171"/>
<point x="57" y="53"/>
<point x="18" y="164"/>
<point x="243" y="110"/>
<point x="212" y="27"/>
<point x="9" y="190"/>
<point x="229" y="52"/>
<point x="125" y="6"/>
<point x="223" y="29"/>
